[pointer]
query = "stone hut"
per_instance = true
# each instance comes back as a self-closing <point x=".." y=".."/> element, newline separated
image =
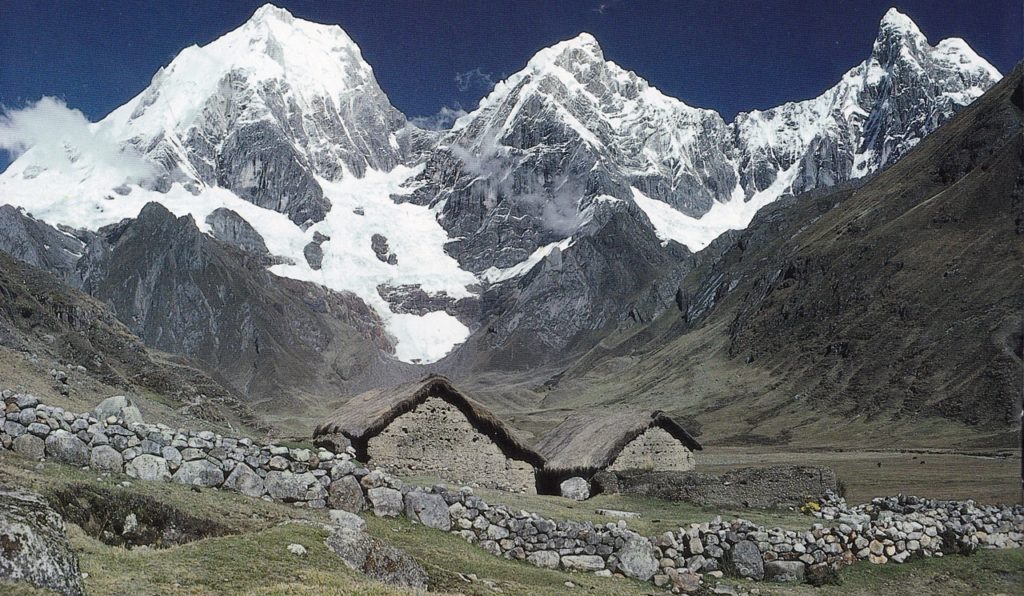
<point x="587" y="443"/>
<point x="430" y="428"/>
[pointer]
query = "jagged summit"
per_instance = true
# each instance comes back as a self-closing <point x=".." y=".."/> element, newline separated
<point x="900" y="39"/>
<point x="895" y="21"/>
<point x="269" y="11"/>
<point x="262" y="111"/>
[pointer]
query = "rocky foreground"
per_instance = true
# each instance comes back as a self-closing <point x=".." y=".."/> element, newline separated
<point x="114" y="440"/>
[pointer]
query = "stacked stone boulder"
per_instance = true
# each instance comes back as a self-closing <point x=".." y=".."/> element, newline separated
<point x="157" y="452"/>
<point x="893" y="529"/>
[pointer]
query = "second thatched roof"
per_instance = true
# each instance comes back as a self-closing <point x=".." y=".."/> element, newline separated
<point x="368" y="414"/>
<point x="591" y="441"/>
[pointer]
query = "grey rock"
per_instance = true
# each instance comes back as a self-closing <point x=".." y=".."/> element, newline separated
<point x="199" y="472"/>
<point x="14" y="429"/>
<point x="244" y="480"/>
<point x="35" y="548"/>
<point x="148" y="467"/>
<point x="30" y="446"/>
<point x="230" y="227"/>
<point x="24" y="400"/>
<point x="105" y="458"/>
<point x="290" y="487"/>
<point x="346" y="520"/>
<point x="386" y="502"/>
<point x="65" y="447"/>
<point x="33" y="242"/>
<point x="172" y="455"/>
<point x="121" y="407"/>
<point x="345" y="493"/>
<point x="376" y="559"/>
<point x="27" y="416"/>
<point x="638" y="558"/>
<point x="544" y="558"/>
<point x="575" y="488"/>
<point x="582" y="562"/>
<point x="784" y="571"/>
<point x="429" y="509"/>
<point x="314" y="255"/>
<point x="684" y="581"/>
<point x="745" y="561"/>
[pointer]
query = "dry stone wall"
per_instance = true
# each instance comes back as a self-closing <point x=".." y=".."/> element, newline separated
<point x="763" y="488"/>
<point x="655" y="449"/>
<point x="437" y="439"/>
<point x="887" y="530"/>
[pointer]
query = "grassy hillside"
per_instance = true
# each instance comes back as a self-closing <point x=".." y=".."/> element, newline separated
<point x="253" y="558"/>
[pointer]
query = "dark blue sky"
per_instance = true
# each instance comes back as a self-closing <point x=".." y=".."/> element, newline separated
<point x="721" y="54"/>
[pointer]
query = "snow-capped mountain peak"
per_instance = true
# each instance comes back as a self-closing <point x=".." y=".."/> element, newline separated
<point x="278" y="93"/>
<point x="895" y="22"/>
<point x="315" y="60"/>
<point x="282" y="122"/>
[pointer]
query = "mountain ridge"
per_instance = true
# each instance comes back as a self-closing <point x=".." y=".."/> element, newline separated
<point x="568" y="205"/>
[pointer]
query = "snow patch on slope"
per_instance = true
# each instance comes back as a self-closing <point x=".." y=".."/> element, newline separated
<point x="697" y="232"/>
<point x="495" y="275"/>
<point x="81" y="197"/>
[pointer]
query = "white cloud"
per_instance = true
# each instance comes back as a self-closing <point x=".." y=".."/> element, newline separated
<point x="61" y="138"/>
<point x="442" y="120"/>
<point x="474" y="79"/>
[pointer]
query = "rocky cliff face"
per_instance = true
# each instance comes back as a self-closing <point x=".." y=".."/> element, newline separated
<point x="184" y="292"/>
<point x="517" y="173"/>
<point x="851" y="310"/>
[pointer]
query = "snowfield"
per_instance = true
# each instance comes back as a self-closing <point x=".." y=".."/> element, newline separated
<point x="81" y="195"/>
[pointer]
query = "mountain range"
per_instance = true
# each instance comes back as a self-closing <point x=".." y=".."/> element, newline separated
<point x="262" y="210"/>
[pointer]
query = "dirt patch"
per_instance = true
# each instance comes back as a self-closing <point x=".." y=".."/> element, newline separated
<point x="124" y="518"/>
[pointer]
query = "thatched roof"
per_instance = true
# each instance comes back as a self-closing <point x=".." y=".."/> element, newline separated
<point x="368" y="414"/>
<point x="591" y="441"/>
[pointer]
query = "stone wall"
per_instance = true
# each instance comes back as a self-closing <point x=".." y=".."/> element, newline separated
<point x="763" y="488"/>
<point x="895" y="529"/>
<point x="655" y="449"/>
<point x="437" y="439"/>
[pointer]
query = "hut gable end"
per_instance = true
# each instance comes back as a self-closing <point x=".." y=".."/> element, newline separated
<point x="588" y="442"/>
<point x="367" y="415"/>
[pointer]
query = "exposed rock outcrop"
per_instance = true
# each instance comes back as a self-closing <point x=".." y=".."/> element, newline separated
<point x="33" y="546"/>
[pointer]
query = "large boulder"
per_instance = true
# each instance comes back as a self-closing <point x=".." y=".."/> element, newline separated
<point x="575" y="488"/>
<point x="290" y="487"/>
<point x="66" y="447"/>
<point x="638" y="558"/>
<point x="199" y="472"/>
<point x="121" y="407"/>
<point x="346" y="493"/>
<point x="386" y="502"/>
<point x="33" y="546"/>
<point x="105" y="458"/>
<point x="244" y="480"/>
<point x="30" y="446"/>
<point x="376" y="559"/>
<point x="429" y="509"/>
<point x="745" y="560"/>
<point x="547" y="559"/>
<point x="148" y="467"/>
